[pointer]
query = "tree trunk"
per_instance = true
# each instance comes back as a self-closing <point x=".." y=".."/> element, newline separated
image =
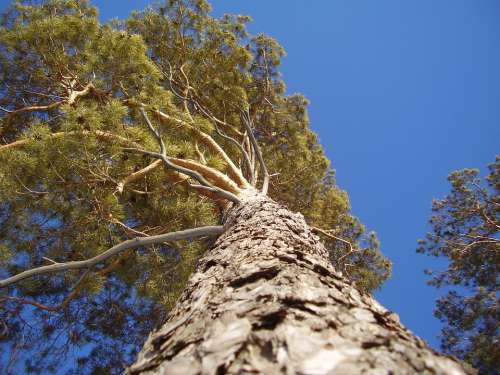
<point x="266" y="299"/>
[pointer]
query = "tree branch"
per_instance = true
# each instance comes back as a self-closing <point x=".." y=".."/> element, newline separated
<point x="255" y="145"/>
<point x="242" y="150"/>
<point x="329" y="235"/>
<point x="74" y="292"/>
<point x="200" y="154"/>
<point x="73" y="95"/>
<point x="218" y="178"/>
<point x="97" y="133"/>
<point x="138" y="175"/>
<point x="33" y="108"/>
<point x="129" y="244"/>
<point x="475" y="243"/>
<point x="187" y="171"/>
<point x="233" y="171"/>
<point x="195" y="102"/>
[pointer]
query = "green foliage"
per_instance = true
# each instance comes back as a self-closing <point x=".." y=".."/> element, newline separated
<point x="465" y="230"/>
<point x="69" y="91"/>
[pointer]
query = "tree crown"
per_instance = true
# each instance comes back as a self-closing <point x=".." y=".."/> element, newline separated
<point x="137" y="128"/>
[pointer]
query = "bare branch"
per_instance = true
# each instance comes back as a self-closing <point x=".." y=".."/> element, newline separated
<point x="74" y="292"/>
<point x="329" y="235"/>
<point x="247" y="123"/>
<point x="205" y="111"/>
<point x="127" y="228"/>
<point x="73" y="95"/>
<point x="187" y="171"/>
<point x="488" y="219"/>
<point x="174" y="177"/>
<point x="49" y="260"/>
<point x="200" y="154"/>
<point x="76" y="288"/>
<point x="89" y="88"/>
<point x="33" y="108"/>
<point x="233" y="171"/>
<point x="219" y="179"/>
<point x="242" y="150"/>
<point x="129" y="244"/>
<point x="30" y="191"/>
<point x="97" y="133"/>
<point x="326" y="234"/>
<point x="138" y="175"/>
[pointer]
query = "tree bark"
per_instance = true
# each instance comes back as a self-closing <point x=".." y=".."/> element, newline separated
<point x="266" y="299"/>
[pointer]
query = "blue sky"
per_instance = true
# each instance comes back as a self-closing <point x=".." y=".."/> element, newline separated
<point x="402" y="93"/>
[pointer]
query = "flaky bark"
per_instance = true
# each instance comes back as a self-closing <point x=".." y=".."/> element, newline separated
<point x="266" y="300"/>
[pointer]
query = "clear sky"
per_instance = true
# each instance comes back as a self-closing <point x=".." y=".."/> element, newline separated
<point x="402" y="93"/>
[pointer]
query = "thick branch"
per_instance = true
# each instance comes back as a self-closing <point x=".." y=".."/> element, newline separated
<point x="233" y="171"/>
<point x="74" y="292"/>
<point x="129" y="244"/>
<point x="138" y="175"/>
<point x="255" y="145"/>
<point x="174" y="177"/>
<point x="242" y="150"/>
<point x="73" y="95"/>
<point x="187" y="171"/>
<point x="219" y="179"/>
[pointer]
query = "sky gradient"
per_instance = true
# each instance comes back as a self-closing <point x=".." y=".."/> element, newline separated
<point x="402" y="93"/>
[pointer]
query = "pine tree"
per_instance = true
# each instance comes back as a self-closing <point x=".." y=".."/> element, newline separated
<point x="465" y="231"/>
<point x="116" y="138"/>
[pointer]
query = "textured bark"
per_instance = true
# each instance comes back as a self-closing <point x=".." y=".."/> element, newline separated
<point x="266" y="300"/>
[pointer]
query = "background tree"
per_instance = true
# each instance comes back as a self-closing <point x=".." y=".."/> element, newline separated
<point x="75" y="180"/>
<point x="465" y="231"/>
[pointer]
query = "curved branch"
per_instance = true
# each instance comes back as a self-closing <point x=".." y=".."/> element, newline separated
<point x="174" y="178"/>
<point x="138" y="175"/>
<point x="329" y="235"/>
<point x="242" y="150"/>
<point x="129" y="244"/>
<point x="218" y="178"/>
<point x="187" y="171"/>
<point x="73" y="95"/>
<point x="255" y="145"/>
<point x="33" y="108"/>
<point x="97" y="133"/>
<point x="74" y="292"/>
<point x="326" y="234"/>
<point x="233" y="171"/>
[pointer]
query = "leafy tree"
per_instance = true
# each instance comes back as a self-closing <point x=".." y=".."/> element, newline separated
<point x="72" y="184"/>
<point x="465" y="230"/>
<point x="117" y="137"/>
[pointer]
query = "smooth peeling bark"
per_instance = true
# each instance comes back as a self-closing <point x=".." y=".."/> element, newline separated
<point x="266" y="300"/>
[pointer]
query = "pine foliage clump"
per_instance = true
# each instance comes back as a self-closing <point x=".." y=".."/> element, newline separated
<point x="466" y="231"/>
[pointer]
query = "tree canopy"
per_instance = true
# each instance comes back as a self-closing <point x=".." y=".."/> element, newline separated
<point x="80" y="171"/>
<point x="465" y="230"/>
